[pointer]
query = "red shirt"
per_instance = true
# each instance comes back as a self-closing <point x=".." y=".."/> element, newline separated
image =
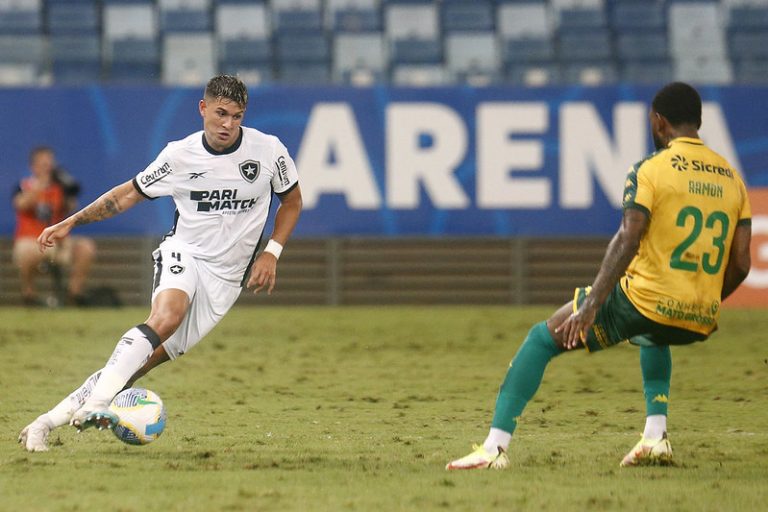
<point x="49" y="209"/>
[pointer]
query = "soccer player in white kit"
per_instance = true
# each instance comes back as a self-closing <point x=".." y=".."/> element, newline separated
<point x="222" y="180"/>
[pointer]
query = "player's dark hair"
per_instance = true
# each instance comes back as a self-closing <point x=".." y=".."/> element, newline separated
<point x="679" y="103"/>
<point x="37" y="150"/>
<point x="227" y="87"/>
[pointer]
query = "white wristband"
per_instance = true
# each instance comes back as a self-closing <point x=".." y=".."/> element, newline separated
<point x="274" y="248"/>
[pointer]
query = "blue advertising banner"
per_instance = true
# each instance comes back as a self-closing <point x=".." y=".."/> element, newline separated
<point x="389" y="161"/>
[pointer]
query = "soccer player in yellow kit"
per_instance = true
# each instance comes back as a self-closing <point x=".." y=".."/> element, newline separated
<point x="682" y="247"/>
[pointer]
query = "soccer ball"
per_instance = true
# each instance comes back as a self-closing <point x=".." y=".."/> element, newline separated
<point x="141" y="414"/>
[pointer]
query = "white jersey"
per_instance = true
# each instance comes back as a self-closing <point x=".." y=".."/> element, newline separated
<point x="222" y="198"/>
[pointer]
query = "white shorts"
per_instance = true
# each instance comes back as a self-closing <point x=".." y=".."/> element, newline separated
<point x="209" y="296"/>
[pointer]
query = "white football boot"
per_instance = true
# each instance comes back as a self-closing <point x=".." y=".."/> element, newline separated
<point x="34" y="437"/>
<point x="649" y="452"/>
<point x="481" y="459"/>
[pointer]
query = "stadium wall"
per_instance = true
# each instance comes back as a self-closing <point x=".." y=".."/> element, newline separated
<point x="382" y="163"/>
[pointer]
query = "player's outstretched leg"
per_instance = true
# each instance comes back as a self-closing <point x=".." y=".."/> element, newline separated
<point x="131" y="353"/>
<point x="520" y="384"/>
<point x="34" y="436"/>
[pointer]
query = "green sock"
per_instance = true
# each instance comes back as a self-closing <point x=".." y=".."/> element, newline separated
<point x="656" y="365"/>
<point x="524" y="376"/>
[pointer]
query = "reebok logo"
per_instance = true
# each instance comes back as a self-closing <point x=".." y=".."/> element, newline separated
<point x="217" y="200"/>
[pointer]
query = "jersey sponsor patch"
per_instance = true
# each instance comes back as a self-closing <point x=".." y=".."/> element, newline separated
<point x="158" y="174"/>
<point x="282" y="171"/>
<point x="249" y="170"/>
<point x="216" y="200"/>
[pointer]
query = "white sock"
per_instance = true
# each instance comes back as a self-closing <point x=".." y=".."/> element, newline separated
<point x="655" y="426"/>
<point x="63" y="411"/>
<point x="495" y="439"/>
<point x="130" y="354"/>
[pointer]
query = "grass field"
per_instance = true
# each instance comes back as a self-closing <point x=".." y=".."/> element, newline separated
<point x="328" y="409"/>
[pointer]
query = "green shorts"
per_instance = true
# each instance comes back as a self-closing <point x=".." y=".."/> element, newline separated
<point x="618" y="320"/>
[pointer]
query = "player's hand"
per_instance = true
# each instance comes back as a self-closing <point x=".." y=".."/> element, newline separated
<point x="263" y="273"/>
<point x="53" y="234"/>
<point x="576" y="327"/>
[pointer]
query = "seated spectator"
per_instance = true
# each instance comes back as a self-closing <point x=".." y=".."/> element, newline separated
<point x="42" y="199"/>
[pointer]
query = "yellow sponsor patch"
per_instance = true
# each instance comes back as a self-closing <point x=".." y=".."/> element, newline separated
<point x="661" y="398"/>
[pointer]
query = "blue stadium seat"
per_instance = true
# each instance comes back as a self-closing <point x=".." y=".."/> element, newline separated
<point x="413" y="33"/>
<point x="185" y="15"/>
<point x="642" y="44"/>
<point x="655" y="72"/>
<point x="585" y="45"/>
<point x="751" y="72"/>
<point x="77" y="17"/>
<point x="21" y="59"/>
<point x="305" y="74"/>
<point x="582" y="17"/>
<point x="467" y="15"/>
<point x="748" y="17"/>
<point x="527" y="50"/>
<point x="309" y="48"/>
<point x="748" y="45"/>
<point x="353" y="15"/>
<point x="297" y="15"/>
<point x="76" y="60"/>
<point x="134" y="61"/>
<point x="472" y="57"/>
<point x="21" y="17"/>
<point x="638" y="14"/>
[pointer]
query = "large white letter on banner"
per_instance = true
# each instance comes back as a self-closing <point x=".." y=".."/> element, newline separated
<point x="586" y="151"/>
<point x="497" y="155"/>
<point x="409" y="165"/>
<point x="332" y="129"/>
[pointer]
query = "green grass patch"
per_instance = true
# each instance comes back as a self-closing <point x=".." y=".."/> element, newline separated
<point x="329" y="409"/>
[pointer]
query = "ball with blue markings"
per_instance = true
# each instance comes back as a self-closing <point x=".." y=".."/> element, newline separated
<point x="141" y="416"/>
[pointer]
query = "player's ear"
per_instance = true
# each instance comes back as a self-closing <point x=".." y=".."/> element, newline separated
<point x="201" y="107"/>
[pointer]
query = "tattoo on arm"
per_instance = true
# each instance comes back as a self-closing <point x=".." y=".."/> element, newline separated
<point x="103" y="208"/>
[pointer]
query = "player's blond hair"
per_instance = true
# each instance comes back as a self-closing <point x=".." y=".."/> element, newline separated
<point x="227" y="87"/>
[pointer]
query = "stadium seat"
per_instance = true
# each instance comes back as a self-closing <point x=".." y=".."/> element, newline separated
<point x="472" y="58"/>
<point x="21" y="58"/>
<point x="654" y="72"/>
<point x="188" y="59"/>
<point x="413" y="34"/>
<point x="696" y="29"/>
<point x="710" y="70"/>
<point x="302" y="48"/>
<point x="584" y="45"/>
<point x="638" y="14"/>
<point x="751" y="72"/>
<point x="133" y="61"/>
<point x="525" y="37"/>
<point x="76" y="60"/>
<point x="130" y="20"/>
<point x="185" y="15"/>
<point x="21" y="17"/>
<point x="75" y="17"/>
<point x="353" y="15"/>
<point x="467" y="15"/>
<point x="582" y="16"/>
<point x="244" y="43"/>
<point x="359" y="58"/>
<point x="632" y="44"/>
<point x="304" y="74"/>
<point x="296" y="15"/>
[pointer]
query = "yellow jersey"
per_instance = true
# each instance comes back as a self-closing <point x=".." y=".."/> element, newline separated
<point x="694" y="200"/>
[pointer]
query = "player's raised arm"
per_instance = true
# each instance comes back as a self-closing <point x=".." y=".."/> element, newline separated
<point x="116" y="200"/>
<point x="264" y="270"/>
